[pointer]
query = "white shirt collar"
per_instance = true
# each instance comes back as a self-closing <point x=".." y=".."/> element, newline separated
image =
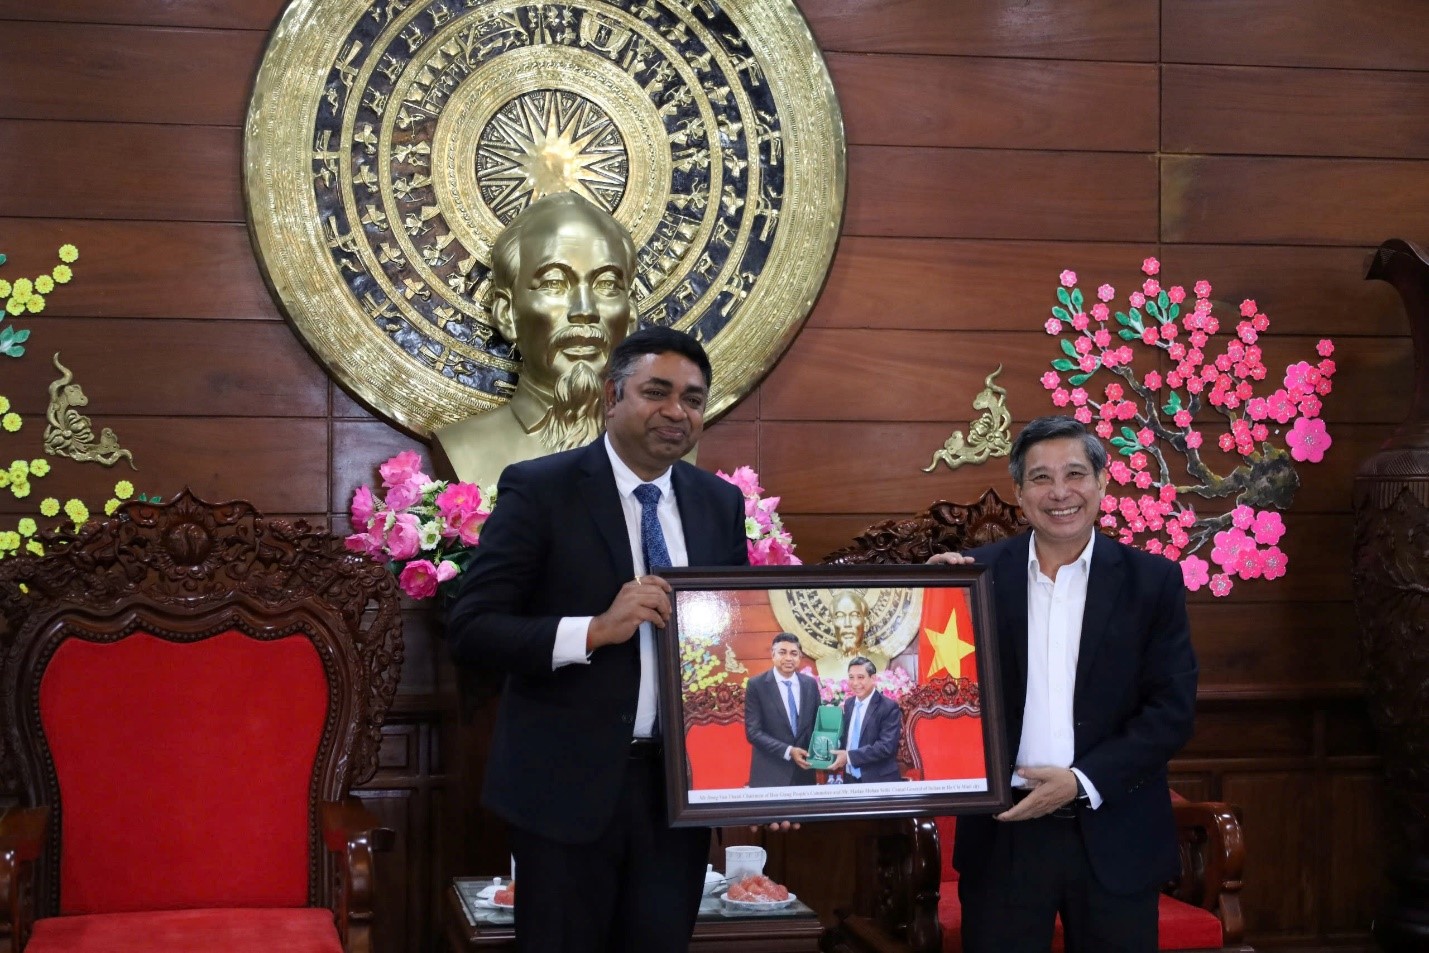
<point x="1034" y="567"/>
<point x="626" y="480"/>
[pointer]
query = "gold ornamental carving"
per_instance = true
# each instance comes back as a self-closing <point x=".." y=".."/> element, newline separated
<point x="388" y="142"/>
<point x="990" y="435"/>
<point x="69" y="433"/>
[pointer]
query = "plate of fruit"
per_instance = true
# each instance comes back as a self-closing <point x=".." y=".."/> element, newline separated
<point x="757" y="892"/>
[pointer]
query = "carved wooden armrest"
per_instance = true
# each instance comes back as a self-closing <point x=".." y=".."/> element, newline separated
<point x="896" y="901"/>
<point x="351" y="833"/>
<point x="22" y="838"/>
<point x="1212" y="859"/>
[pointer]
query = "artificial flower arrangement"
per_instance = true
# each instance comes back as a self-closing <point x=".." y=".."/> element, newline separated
<point x="1148" y="417"/>
<point x="893" y="682"/>
<point x="427" y="530"/>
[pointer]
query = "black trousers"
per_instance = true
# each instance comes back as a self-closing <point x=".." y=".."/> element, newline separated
<point x="635" y="887"/>
<point x="1039" y="869"/>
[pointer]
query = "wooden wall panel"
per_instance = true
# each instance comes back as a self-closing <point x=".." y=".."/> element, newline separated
<point x="129" y="74"/>
<point x="119" y="170"/>
<point x="997" y="103"/>
<point x="1299" y="112"/>
<point x="978" y="193"/>
<point x="1344" y="34"/>
<point x="219" y="14"/>
<point x="136" y="269"/>
<point x="1291" y="201"/>
<point x="1275" y="645"/>
<point x="1280" y="890"/>
<point x="1062" y="29"/>
<point x="1354" y="807"/>
<point x="191" y="368"/>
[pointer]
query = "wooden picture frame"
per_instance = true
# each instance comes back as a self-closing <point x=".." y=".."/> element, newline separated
<point x="929" y="632"/>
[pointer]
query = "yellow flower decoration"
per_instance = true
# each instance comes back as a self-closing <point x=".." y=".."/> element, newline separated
<point x="110" y="507"/>
<point x="35" y="304"/>
<point x="124" y="489"/>
<point x="23" y="289"/>
<point x="49" y="506"/>
<point x="5" y="288"/>
<point x="44" y="284"/>
<point x="4" y="479"/>
<point x="76" y="511"/>
<point x="11" y="422"/>
<point x="4" y="405"/>
<point x="26" y="526"/>
<point x="19" y="469"/>
<point x="35" y="547"/>
<point x="62" y="274"/>
<point x="39" y="467"/>
<point x="15" y="306"/>
<point x="21" y="488"/>
<point x="68" y="253"/>
<point x="9" y="541"/>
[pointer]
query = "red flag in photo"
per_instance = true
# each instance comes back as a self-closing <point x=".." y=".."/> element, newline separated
<point x="946" y="646"/>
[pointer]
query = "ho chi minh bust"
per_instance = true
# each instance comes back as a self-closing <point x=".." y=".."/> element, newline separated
<point x="561" y="275"/>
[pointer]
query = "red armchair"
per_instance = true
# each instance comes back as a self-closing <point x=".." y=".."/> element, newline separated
<point x="189" y="692"/>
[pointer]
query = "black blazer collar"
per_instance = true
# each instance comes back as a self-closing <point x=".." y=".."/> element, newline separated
<point x="1104" y="582"/>
<point x="597" y="487"/>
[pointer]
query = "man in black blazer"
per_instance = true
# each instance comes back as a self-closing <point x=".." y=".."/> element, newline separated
<point x="1099" y="691"/>
<point x="561" y="598"/>
<point x="871" y="754"/>
<point x="779" y="738"/>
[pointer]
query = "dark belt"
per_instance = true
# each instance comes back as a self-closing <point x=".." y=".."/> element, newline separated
<point x="644" y="748"/>
<point x="1067" y="812"/>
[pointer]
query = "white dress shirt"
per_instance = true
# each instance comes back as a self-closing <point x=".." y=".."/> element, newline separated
<point x="792" y="682"/>
<point x="1054" y="637"/>
<point x="571" y="632"/>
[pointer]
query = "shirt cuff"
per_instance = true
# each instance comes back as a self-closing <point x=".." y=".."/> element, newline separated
<point x="1094" y="800"/>
<point x="788" y="753"/>
<point x="570" y="642"/>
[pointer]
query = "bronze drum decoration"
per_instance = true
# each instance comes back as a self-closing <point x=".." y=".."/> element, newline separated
<point x="388" y="142"/>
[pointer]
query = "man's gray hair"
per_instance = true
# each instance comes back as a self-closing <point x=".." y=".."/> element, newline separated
<point x="1054" y="427"/>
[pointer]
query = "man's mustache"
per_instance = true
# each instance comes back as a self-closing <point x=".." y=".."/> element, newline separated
<point x="580" y="334"/>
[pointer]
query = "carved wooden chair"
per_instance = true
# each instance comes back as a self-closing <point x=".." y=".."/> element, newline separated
<point x="906" y="899"/>
<point x="189" y="693"/>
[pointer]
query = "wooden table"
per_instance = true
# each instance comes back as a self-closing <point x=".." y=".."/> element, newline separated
<point x="796" y="931"/>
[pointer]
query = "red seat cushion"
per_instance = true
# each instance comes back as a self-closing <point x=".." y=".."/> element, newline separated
<point x="1181" y="925"/>
<point x="185" y="770"/>
<point x="718" y="756"/>
<point x="233" y="930"/>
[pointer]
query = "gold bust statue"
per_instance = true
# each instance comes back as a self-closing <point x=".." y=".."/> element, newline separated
<point x="561" y="275"/>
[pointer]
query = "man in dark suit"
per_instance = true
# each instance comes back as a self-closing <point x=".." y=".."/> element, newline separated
<point x="872" y="727"/>
<point x="1099" y="690"/>
<point x="779" y="710"/>
<point x="560" y="596"/>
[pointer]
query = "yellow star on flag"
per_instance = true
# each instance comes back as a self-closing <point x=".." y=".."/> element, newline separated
<point x="948" y="650"/>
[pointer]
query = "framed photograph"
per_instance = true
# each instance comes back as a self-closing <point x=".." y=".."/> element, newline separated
<point x="817" y="692"/>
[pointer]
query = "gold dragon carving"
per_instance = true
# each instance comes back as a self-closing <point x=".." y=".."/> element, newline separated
<point x="69" y="433"/>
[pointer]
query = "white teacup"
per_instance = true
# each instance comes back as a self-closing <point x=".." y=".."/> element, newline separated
<point x="742" y="861"/>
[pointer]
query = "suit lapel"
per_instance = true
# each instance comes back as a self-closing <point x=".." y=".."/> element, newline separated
<point x="1010" y="589"/>
<point x="603" y="502"/>
<point x="694" y="517"/>
<point x="1104" y="584"/>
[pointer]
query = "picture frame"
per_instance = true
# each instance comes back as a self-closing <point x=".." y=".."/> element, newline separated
<point x="929" y="633"/>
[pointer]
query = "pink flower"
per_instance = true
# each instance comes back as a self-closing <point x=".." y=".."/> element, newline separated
<point x="369" y="543"/>
<point x="1100" y="311"/>
<point x="1177" y="294"/>
<point x="1150" y="335"/>
<point x="1145" y="437"/>
<point x="1248" y="308"/>
<point x="1260" y="432"/>
<point x="364" y="507"/>
<point x="1325" y="348"/>
<point x="1137" y="299"/>
<point x="405" y="467"/>
<point x="1087" y="363"/>
<point x="1187" y="516"/>
<point x="1310" y="406"/>
<point x="466" y="526"/>
<point x="419" y="578"/>
<point x="1282" y="408"/>
<point x="1139" y="460"/>
<point x="1050" y="380"/>
<point x="1104" y="429"/>
<point x="1083" y="414"/>
<point x="1108" y="521"/>
<point x="1228" y="544"/>
<point x="1154" y="546"/>
<point x="1168" y="331"/>
<point x="1195" y="571"/>
<point x="1203" y="289"/>
<point x="1260" y="322"/>
<point x="1193" y="439"/>
<point x="1172" y="553"/>
<point x="1126" y="410"/>
<point x="1106" y="292"/>
<point x="1151" y="287"/>
<point x="1220" y="585"/>
<point x="1152" y="380"/>
<point x="1167" y="494"/>
<point x="1082" y="345"/>
<point x="1124" y="354"/>
<point x="459" y="499"/>
<point x="1246" y="332"/>
<point x="1326" y="368"/>
<point x="1272" y="563"/>
<point x="1068" y="278"/>
<point x="1301" y="377"/>
<point x="1143" y="480"/>
<point x="1257" y="408"/>
<point x="402" y="496"/>
<point x="1247" y="563"/>
<point x="1242" y="517"/>
<point x="404" y="538"/>
<point x="1269" y="527"/>
<point x="1079" y="322"/>
<point x="1053" y="326"/>
<point x="1119" y="471"/>
<point x="1079" y="397"/>
<point x="1150" y="266"/>
<point x="1108" y="504"/>
<point x="748" y="481"/>
<point x="1308" y="440"/>
<point x="1182" y="418"/>
<point x="1102" y="338"/>
<point x="1114" y="391"/>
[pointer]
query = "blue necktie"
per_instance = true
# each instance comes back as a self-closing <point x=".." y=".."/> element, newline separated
<point x="793" y="708"/>
<point x="853" y="734"/>
<point x="652" y="538"/>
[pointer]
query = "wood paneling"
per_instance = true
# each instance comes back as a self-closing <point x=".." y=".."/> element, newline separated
<point x="1301" y="112"/>
<point x="1275" y="644"/>
<point x="1279" y="201"/>
<point x="222" y="14"/>
<point x="119" y="170"/>
<point x="136" y="269"/>
<point x="191" y="368"/>
<point x="129" y="74"/>
<point x="997" y="103"/>
<point x="358" y="448"/>
<point x="1355" y="810"/>
<point x="1280" y="889"/>
<point x="1317" y="549"/>
<point x="1345" y="34"/>
<point x="980" y="193"/>
<point x="1068" y="29"/>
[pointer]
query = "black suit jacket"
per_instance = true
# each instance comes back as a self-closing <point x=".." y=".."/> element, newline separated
<point x="555" y="546"/>
<point x="876" y="756"/>
<point x="766" y="726"/>
<point x="1132" y="706"/>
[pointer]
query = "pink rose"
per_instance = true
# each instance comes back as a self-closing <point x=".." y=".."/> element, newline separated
<point x="402" y="496"/>
<point x="368" y="543"/>
<point x="419" y="578"/>
<point x="405" y="467"/>
<point x="364" y="508"/>
<point x="404" y="539"/>
<point x="466" y="525"/>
